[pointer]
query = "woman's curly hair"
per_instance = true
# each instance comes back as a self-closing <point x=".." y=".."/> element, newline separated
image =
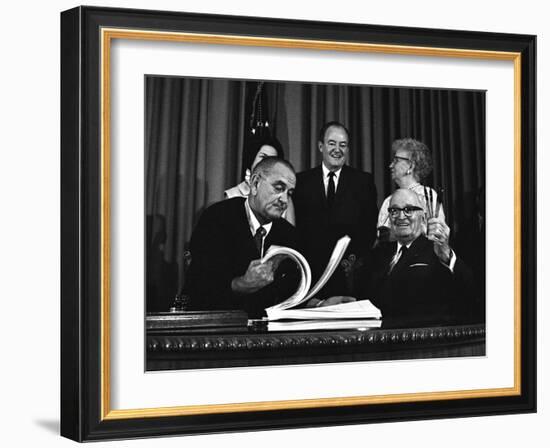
<point x="420" y="155"/>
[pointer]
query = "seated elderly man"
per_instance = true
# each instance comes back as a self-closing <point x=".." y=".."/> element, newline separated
<point x="232" y="236"/>
<point x="417" y="278"/>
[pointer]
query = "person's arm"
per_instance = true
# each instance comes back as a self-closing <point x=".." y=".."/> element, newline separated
<point x="209" y="276"/>
<point x="257" y="276"/>
<point x="439" y="233"/>
<point x="462" y="276"/>
<point x="278" y="280"/>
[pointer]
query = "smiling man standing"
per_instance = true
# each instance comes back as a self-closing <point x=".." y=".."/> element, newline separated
<point x="333" y="200"/>
<point x="232" y="236"/>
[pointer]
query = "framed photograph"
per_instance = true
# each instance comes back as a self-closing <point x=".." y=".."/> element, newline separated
<point x="163" y="113"/>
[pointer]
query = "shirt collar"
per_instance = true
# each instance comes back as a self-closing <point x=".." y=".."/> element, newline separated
<point x="253" y="221"/>
<point x="408" y="246"/>
<point x="244" y="188"/>
<point x="326" y="171"/>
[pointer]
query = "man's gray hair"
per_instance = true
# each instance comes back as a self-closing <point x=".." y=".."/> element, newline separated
<point x="267" y="164"/>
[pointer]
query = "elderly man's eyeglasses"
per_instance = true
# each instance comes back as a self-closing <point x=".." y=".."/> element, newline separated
<point x="407" y="211"/>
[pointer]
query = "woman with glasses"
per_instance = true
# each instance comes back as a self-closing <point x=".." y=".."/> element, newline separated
<point x="266" y="147"/>
<point x="410" y="166"/>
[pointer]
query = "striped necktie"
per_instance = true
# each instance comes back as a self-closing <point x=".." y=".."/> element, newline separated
<point x="402" y="252"/>
<point x="259" y="240"/>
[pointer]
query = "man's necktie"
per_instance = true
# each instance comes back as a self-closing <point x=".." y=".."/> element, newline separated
<point x="402" y="252"/>
<point x="331" y="189"/>
<point x="258" y="239"/>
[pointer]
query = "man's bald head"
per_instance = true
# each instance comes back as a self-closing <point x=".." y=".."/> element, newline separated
<point x="406" y="215"/>
<point x="404" y="194"/>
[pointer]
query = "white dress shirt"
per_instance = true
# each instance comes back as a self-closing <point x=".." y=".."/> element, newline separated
<point x="325" y="178"/>
<point x="254" y="224"/>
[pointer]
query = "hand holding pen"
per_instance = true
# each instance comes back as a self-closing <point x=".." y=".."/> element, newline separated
<point x="428" y="198"/>
<point x="439" y="204"/>
<point x="431" y="211"/>
<point x="438" y="231"/>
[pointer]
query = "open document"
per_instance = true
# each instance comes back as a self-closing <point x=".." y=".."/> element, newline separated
<point x="362" y="309"/>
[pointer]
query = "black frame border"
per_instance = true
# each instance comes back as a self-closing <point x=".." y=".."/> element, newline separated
<point x="81" y="223"/>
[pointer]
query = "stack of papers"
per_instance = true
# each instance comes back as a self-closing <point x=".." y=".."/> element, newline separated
<point x="362" y="309"/>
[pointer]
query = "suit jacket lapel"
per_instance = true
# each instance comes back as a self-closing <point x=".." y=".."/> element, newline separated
<point x="243" y="233"/>
<point x="319" y="186"/>
<point x="272" y="236"/>
<point x="387" y="254"/>
<point x="415" y="249"/>
<point x="343" y="185"/>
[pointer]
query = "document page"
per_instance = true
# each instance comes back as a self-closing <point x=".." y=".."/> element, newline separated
<point x="362" y="309"/>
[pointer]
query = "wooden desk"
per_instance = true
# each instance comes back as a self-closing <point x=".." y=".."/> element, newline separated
<point x="191" y="348"/>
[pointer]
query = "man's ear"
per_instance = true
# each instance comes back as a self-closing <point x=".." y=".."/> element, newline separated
<point x="320" y="146"/>
<point x="254" y="179"/>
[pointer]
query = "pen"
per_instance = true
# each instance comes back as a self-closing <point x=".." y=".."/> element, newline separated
<point x="439" y="201"/>
<point x="428" y="207"/>
<point x="430" y="191"/>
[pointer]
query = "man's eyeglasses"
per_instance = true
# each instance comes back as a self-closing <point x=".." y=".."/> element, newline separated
<point x="407" y="211"/>
<point x="397" y="159"/>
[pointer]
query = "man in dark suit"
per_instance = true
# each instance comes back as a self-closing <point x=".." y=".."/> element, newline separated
<point x="418" y="278"/>
<point x="333" y="200"/>
<point x="231" y="237"/>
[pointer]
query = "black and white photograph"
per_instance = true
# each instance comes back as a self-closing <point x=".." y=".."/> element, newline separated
<point x="272" y="223"/>
<point x="293" y="222"/>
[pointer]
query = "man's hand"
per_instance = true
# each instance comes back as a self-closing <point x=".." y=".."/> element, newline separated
<point x="439" y="232"/>
<point x="348" y="263"/>
<point x="276" y="261"/>
<point x="257" y="276"/>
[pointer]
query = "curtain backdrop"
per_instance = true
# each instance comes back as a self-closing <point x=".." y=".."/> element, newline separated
<point x="195" y="131"/>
